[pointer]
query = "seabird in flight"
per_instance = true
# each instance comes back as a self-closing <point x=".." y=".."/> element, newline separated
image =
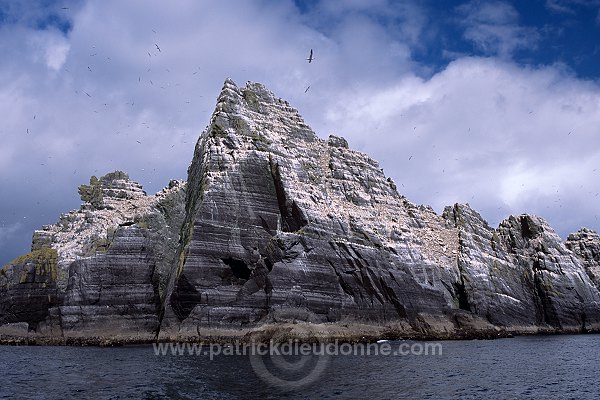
<point x="310" y="57"/>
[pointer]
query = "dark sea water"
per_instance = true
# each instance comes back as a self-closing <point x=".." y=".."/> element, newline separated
<point x="542" y="367"/>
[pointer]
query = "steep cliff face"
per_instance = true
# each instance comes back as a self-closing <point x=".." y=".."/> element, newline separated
<point x="28" y="289"/>
<point x="282" y="225"/>
<point x="585" y="243"/>
<point x="521" y="275"/>
<point x="97" y="271"/>
<point x="276" y="225"/>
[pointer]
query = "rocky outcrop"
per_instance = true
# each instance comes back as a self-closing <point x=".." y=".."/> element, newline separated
<point x="585" y="243"/>
<point x="96" y="273"/>
<point x="28" y="290"/>
<point x="282" y="225"/>
<point x="521" y="276"/>
<point x="276" y="226"/>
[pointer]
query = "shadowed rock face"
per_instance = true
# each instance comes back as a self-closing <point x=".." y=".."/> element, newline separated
<point x="276" y="225"/>
<point x="97" y="272"/>
<point x="521" y="274"/>
<point x="116" y="291"/>
<point x="28" y="289"/>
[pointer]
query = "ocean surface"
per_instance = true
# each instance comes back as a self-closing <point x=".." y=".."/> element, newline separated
<point x="540" y="367"/>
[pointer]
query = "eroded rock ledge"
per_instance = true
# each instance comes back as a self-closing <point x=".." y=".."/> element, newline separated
<point x="276" y="227"/>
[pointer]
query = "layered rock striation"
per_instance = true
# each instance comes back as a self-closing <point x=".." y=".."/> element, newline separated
<point x="277" y="226"/>
<point x="96" y="273"/>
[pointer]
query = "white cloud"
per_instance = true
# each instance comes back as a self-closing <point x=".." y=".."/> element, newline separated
<point x="9" y="230"/>
<point x="569" y="6"/>
<point x="56" y="54"/>
<point x="49" y="47"/>
<point x="493" y="134"/>
<point x="559" y="6"/>
<point x="494" y="28"/>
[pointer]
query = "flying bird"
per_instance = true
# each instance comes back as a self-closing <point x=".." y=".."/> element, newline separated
<point x="157" y="46"/>
<point x="310" y="57"/>
<point x="307" y="89"/>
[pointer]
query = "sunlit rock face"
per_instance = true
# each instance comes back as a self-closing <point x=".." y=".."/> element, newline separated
<point x="276" y="225"/>
<point x="585" y="243"/>
<point x="521" y="275"/>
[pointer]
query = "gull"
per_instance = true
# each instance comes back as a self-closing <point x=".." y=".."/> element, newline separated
<point x="157" y="47"/>
<point x="310" y="57"/>
<point x="307" y="89"/>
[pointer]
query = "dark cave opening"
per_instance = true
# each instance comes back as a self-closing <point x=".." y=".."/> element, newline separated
<point x="462" y="296"/>
<point x="238" y="267"/>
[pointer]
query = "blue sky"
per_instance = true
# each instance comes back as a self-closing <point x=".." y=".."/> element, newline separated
<point x="494" y="103"/>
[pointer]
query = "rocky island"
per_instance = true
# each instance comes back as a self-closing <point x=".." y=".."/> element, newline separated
<point x="277" y="234"/>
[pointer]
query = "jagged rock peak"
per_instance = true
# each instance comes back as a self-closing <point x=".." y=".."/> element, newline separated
<point x="254" y="111"/>
<point x="337" y="141"/>
<point x="585" y="243"/>
<point x="585" y="234"/>
<point x="110" y="188"/>
<point x="251" y="125"/>
<point x="109" y="201"/>
<point x="459" y="215"/>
